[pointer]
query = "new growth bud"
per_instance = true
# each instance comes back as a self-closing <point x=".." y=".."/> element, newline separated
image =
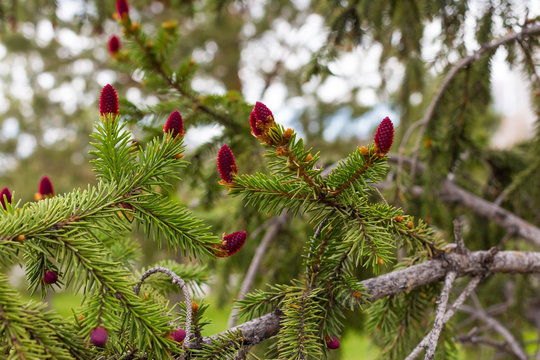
<point x="5" y="197"/>
<point x="174" y="124"/>
<point x="226" y="165"/>
<point x="178" y="335"/>
<point x="332" y="343"/>
<point x="231" y="244"/>
<point x="45" y="189"/>
<point x="99" y="336"/>
<point x="384" y="137"/>
<point x="114" y="45"/>
<point x="50" y="277"/>
<point x="122" y="8"/>
<point x="108" y="101"/>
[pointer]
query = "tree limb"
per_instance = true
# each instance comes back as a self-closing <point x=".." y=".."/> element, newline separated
<point x="452" y="193"/>
<point x="474" y="264"/>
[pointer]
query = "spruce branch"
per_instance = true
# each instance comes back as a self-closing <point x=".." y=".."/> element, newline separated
<point x="464" y="62"/>
<point x="157" y="65"/>
<point x="34" y="333"/>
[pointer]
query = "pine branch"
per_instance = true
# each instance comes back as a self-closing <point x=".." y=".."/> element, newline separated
<point x="473" y="264"/>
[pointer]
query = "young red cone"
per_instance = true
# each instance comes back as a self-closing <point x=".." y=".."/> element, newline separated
<point x="5" y="192"/>
<point x="332" y="343"/>
<point x="226" y="165"/>
<point x="384" y="137"/>
<point x="174" y="123"/>
<point x="99" y="336"/>
<point x="231" y="244"/>
<point x="114" y="45"/>
<point x="261" y="119"/>
<point x="45" y="189"/>
<point x="108" y="101"/>
<point x="50" y="277"/>
<point x="122" y="8"/>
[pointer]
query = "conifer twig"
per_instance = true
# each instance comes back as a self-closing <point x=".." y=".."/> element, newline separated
<point x="459" y="238"/>
<point x="176" y="280"/>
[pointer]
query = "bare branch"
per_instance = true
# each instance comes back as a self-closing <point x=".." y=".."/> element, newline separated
<point x="452" y="193"/>
<point x="475" y="263"/>
<point x="431" y="339"/>
<point x="473" y="339"/>
<point x="461" y="298"/>
<point x="176" y="280"/>
<point x="497" y="326"/>
<point x="459" y="238"/>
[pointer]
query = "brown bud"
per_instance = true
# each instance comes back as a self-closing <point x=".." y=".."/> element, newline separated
<point x="287" y="134"/>
<point x="364" y="150"/>
<point x="410" y="224"/>
<point x="399" y="218"/>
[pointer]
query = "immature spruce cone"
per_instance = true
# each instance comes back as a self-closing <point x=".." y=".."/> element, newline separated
<point x="114" y="45"/>
<point x="332" y="343"/>
<point x="178" y="335"/>
<point x="384" y="137"/>
<point x="45" y="187"/>
<point x="174" y="123"/>
<point x="231" y="244"/>
<point x="122" y="8"/>
<point x="5" y="192"/>
<point x="261" y="118"/>
<point x="226" y="165"/>
<point x="108" y="101"/>
<point x="50" y="277"/>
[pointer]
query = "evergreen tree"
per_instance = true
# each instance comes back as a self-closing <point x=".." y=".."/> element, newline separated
<point x="347" y="256"/>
